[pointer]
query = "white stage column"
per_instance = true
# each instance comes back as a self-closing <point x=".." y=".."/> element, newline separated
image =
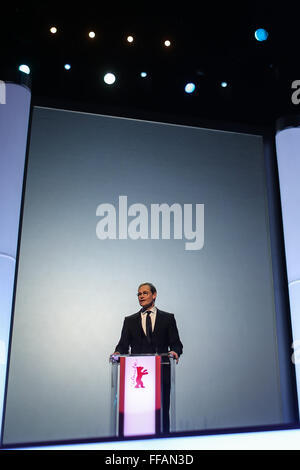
<point x="288" y="157"/>
<point x="14" y="119"/>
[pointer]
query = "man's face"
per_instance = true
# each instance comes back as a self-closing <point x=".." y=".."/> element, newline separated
<point x="145" y="296"/>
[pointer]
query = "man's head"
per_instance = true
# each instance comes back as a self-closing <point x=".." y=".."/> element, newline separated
<point x="146" y="295"/>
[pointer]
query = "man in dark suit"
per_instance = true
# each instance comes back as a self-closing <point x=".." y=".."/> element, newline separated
<point x="151" y="330"/>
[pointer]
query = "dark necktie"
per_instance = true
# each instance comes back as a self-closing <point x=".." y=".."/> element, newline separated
<point x="148" y="327"/>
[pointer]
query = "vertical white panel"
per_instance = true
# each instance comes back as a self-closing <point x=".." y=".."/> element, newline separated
<point x="294" y="293"/>
<point x="14" y="117"/>
<point x="2" y="92"/>
<point x="288" y="156"/>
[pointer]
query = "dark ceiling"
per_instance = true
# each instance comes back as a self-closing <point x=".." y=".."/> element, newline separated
<point x="208" y="45"/>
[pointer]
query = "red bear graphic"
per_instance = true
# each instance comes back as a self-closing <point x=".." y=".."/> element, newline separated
<point x="140" y="373"/>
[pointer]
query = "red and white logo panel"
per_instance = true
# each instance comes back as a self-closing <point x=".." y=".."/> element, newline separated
<point x="139" y="394"/>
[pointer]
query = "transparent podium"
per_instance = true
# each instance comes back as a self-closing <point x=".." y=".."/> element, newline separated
<point x="142" y="394"/>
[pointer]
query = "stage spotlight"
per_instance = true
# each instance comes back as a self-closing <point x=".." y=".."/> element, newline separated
<point x="261" y="34"/>
<point x="189" y="88"/>
<point x="92" y="34"/>
<point x="130" y="39"/>
<point x="25" y="69"/>
<point x="109" y="78"/>
<point x="167" y="43"/>
<point x="143" y="74"/>
<point x="53" y="30"/>
<point x="224" y="84"/>
<point x="67" y="66"/>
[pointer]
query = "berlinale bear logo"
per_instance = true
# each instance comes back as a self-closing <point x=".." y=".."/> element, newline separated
<point x="139" y="376"/>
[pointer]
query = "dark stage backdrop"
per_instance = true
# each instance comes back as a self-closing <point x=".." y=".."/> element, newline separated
<point x="110" y="203"/>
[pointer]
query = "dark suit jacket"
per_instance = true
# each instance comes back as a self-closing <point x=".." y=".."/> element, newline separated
<point x="165" y="335"/>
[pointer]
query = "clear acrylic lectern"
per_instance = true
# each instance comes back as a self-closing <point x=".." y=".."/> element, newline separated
<point x="142" y="394"/>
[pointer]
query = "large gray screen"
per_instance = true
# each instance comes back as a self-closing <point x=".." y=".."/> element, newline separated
<point x="92" y="233"/>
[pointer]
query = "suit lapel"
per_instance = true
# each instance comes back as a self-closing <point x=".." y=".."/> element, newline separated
<point x="138" y="323"/>
<point x="157" y="321"/>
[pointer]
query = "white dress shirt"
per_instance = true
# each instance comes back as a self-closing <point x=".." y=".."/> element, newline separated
<point x="153" y="311"/>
